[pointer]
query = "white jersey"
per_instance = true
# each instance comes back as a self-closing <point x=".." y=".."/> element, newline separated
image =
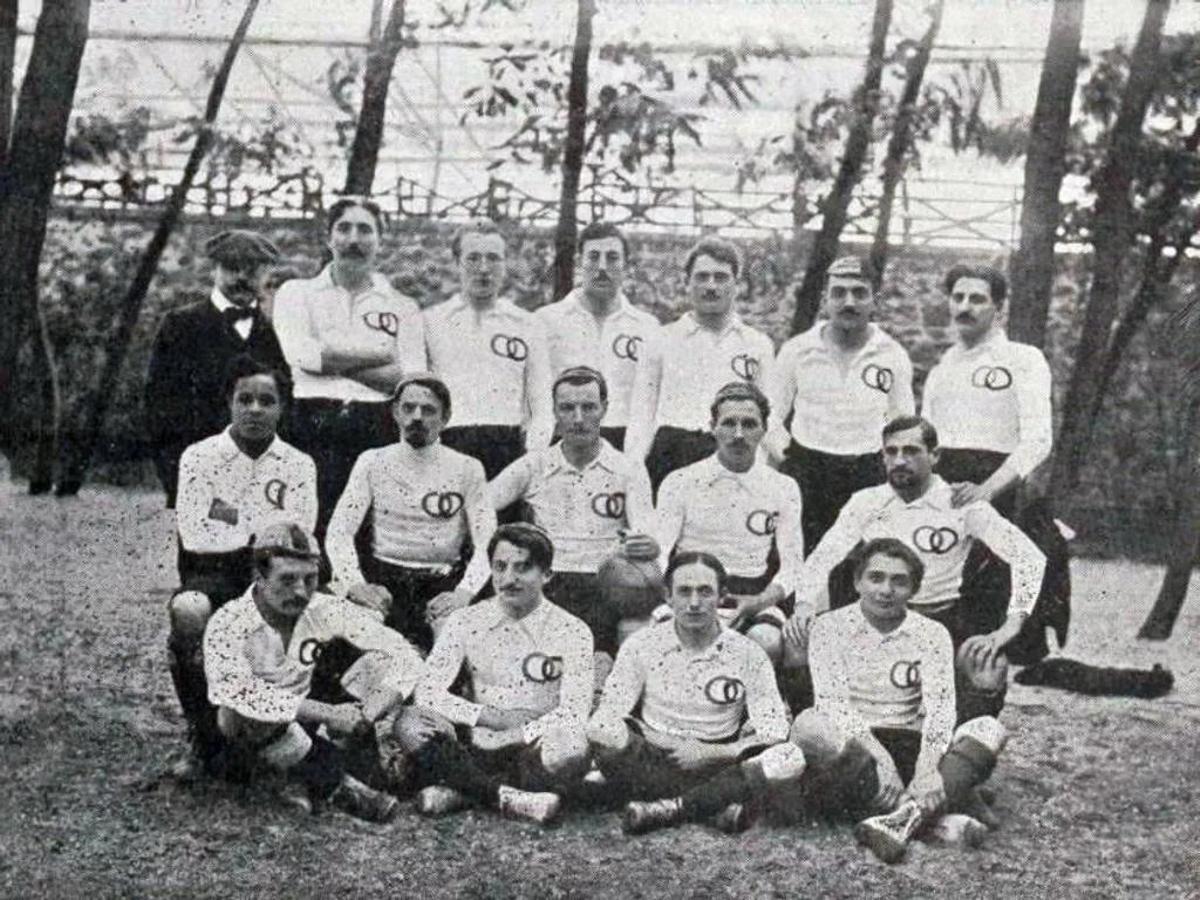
<point x="278" y="486"/>
<point x="583" y="510"/>
<point x="705" y="695"/>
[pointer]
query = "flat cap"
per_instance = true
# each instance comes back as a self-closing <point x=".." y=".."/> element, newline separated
<point x="286" y="539"/>
<point x="850" y="267"/>
<point x="238" y="247"/>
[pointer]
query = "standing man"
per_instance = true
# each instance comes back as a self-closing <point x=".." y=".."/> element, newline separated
<point x="595" y="325"/>
<point x="194" y="345"/>
<point x="669" y="415"/>
<point x="492" y="355"/>
<point x="425" y="502"/>
<point x="840" y="381"/>
<point x="593" y="502"/>
<point x="349" y="337"/>
<point x="690" y="719"/>
<point x="743" y="512"/>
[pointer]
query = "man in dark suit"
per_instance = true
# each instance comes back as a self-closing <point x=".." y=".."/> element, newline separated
<point x="184" y="400"/>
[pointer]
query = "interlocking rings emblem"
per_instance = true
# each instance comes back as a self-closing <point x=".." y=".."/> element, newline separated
<point x="994" y="378"/>
<point x="609" y="506"/>
<point x="762" y="522"/>
<point x="906" y="674"/>
<point x="541" y="669"/>
<point x="275" y="490"/>
<point x="724" y="690"/>
<point x="310" y="651"/>
<point x="627" y="346"/>
<point x="388" y="323"/>
<point x="745" y="366"/>
<point x="513" y="348"/>
<point x="878" y="378"/>
<point x="938" y="541"/>
<point x="443" y="505"/>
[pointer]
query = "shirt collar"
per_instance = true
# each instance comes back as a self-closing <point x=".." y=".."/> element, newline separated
<point x="379" y="284"/>
<point x="814" y="339"/>
<point x="732" y="323"/>
<point x="606" y="459"/>
<point x="222" y="303"/>
<point x="994" y="339"/>
<point x="573" y="305"/>
<point x="861" y="625"/>
<point x="713" y="471"/>
<point x="503" y="307"/>
<point x="230" y="450"/>
<point x="669" y="643"/>
<point x="496" y="617"/>
<point x="937" y="496"/>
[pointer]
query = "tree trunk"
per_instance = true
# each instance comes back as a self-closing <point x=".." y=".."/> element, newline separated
<point x="49" y="413"/>
<point x="895" y="162"/>
<point x="39" y="130"/>
<point x="834" y="206"/>
<point x="573" y="148"/>
<point x="118" y="342"/>
<point x="1032" y="266"/>
<point x="368" y="135"/>
<point x="1113" y="237"/>
<point x="8" y="59"/>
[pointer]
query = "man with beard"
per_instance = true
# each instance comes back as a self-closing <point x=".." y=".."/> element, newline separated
<point x="841" y="381"/>
<point x="595" y="325"/>
<point x="425" y="502"/>
<point x="349" y="338"/>
<point x="194" y="345"/>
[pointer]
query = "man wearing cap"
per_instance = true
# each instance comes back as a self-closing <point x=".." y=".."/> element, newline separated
<point x="425" y="503"/>
<point x="260" y="654"/>
<point x="492" y="355"/>
<point x="193" y="347"/>
<point x="840" y="381"/>
<point x="677" y="376"/>
<point x="595" y="325"/>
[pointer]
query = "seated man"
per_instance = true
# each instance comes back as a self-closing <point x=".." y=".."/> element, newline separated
<point x="231" y="485"/>
<point x="884" y="686"/>
<point x="528" y="666"/>
<point x="425" y="501"/>
<point x="593" y="501"/>
<point x="260" y="651"/>
<point x="691" y="714"/>
<point x="742" y="511"/>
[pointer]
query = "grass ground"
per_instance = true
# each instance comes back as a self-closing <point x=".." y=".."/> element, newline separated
<point x="1099" y="796"/>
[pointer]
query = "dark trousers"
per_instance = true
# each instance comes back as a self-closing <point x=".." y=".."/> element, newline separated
<point x="977" y="466"/>
<point x="962" y="624"/>
<point x="450" y="759"/>
<point x="579" y="594"/>
<point x="411" y="591"/>
<point x="826" y="482"/>
<point x="496" y="446"/>
<point x="674" y="448"/>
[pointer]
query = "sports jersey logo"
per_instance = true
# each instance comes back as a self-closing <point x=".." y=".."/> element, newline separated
<point x="878" y="378"/>
<point x="762" y="522"/>
<point x="745" y="366"/>
<point x="724" y="690"/>
<point x="627" y="346"/>
<point x="274" y="490"/>
<point x="938" y="541"/>
<point x="609" y="506"/>
<point x="388" y="323"/>
<point x="906" y="674"/>
<point x="310" y="651"/>
<point x="541" y="669"/>
<point x="444" y="505"/>
<point x="510" y="347"/>
<point x="994" y="378"/>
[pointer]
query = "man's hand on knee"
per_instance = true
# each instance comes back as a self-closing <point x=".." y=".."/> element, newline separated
<point x="374" y="597"/>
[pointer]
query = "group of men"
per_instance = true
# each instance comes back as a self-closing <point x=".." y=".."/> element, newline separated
<point x="506" y="558"/>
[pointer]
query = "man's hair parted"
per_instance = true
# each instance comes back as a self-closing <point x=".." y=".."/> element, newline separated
<point x="530" y="538"/>
<point x="740" y="390"/>
<point x="929" y="435"/>
<point x="895" y="549"/>
<point x="997" y="283"/>
<point x="717" y="248"/>
<point x="692" y="558"/>
<point x="578" y="376"/>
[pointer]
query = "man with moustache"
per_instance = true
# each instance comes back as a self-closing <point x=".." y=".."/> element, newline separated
<point x="194" y="346"/>
<point x="697" y="354"/>
<point x="425" y="501"/>
<point x="492" y="355"/>
<point x="840" y="381"/>
<point x="595" y="325"/>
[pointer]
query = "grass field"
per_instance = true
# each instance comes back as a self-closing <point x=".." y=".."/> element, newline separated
<point x="1099" y="796"/>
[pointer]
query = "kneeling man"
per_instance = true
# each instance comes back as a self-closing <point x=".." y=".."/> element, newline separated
<point x="691" y="713"/>
<point x="883" y="680"/>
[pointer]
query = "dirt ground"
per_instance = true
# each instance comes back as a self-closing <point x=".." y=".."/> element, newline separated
<point x="1099" y="797"/>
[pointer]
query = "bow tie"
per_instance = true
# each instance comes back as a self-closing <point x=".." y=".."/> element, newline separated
<point x="235" y="314"/>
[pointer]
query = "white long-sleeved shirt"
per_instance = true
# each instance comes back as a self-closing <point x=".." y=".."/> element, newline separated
<point x="736" y="516"/>
<point x="249" y="669"/>
<point x="940" y="534"/>
<point x="993" y="396"/>
<point x="864" y="678"/>
<point x="583" y="510"/>
<point x="278" y="486"/>
<point x="679" y="375"/>
<point x="496" y="365"/>
<point x="840" y="403"/>
<point x="542" y="662"/>
<point x="705" y="695"/>
<point x="423" y="503"/>
<point x="612" y="345"/>
<point x="309" y="314"/>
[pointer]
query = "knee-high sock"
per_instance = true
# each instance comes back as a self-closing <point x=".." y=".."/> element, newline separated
<point x="187" y="674"/>
<point x="321" y="770"/>
<point x="730" y="785"/>
<point x="448" y="762"/>
<point x="966" y="764"/>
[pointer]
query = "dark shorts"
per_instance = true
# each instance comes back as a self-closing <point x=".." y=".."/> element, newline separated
<point x="674" y="448"/>
<point x="219" y="576"/>
<point x="411" y="591"/>
<point x="579" y="594"/>
<point x="977" y="466"/>
<point x="826" y="482"/>
<point x="496" y="446"/>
